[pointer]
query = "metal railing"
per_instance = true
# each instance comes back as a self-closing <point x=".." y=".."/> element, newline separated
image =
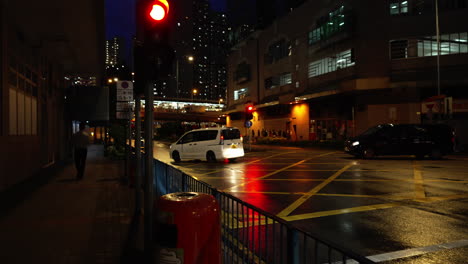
<point x="251" y="235"/>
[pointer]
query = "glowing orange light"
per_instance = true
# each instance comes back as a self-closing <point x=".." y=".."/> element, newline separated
<point x="160" y="10"/>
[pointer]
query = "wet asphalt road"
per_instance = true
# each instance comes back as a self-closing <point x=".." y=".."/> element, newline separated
<point x="391" y="209"/>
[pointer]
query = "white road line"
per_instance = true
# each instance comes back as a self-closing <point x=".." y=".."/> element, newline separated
<point x="412" y="252"/>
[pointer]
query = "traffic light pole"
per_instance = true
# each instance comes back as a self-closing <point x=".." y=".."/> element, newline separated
<point x="152" y="30"/>
<point x="138" y="155"/>
<point x="148" y="196"/>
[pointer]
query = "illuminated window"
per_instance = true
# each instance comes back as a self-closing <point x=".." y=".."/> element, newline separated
<point x="334" y="22"/>
<point x="285" y="79"/>
<point x="454" y="43"/>
<point x="399" y="7"/>
<point x="241" y="93"/>
<point x="330" y="64"/>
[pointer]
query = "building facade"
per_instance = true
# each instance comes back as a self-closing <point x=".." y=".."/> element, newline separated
<point x="329" y="70"/>
<point x="37" y="53"/>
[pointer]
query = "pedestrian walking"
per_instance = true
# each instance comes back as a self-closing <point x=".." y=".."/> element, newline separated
<point x="80" y="144"/>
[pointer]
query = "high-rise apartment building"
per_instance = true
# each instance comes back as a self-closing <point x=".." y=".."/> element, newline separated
<point x="199" y="39"/>
<point x="114" y="52"/>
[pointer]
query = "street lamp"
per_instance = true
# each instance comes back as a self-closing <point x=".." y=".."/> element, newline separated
<point x="194" y="92"/>
<point x="220" y="102"/>
<point x="189" y="59"/>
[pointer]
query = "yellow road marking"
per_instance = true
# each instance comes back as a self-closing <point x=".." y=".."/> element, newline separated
<point x="277" y="171"/>
<point x="409" y="197"/>
<point x="365" y="208"/>
<point x="386" y="170"/>
<point x="339" y="211"/>
<point x="418" y="181"/>
<point x="260" y="170"/>
<point x="441" y="198"/>
<point x="269" y="174"/>
<point x="254" y="161"/>
<point x="309" y="194"/>
<point x="337" y="180"/>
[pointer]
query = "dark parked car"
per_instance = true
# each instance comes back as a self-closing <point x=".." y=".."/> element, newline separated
<point x="406" y="139"/>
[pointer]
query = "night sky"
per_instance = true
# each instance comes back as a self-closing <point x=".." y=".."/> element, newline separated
<point x="120" y="18"/>
<point x="120" y="21"/>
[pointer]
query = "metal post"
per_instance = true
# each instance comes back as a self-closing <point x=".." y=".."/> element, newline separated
<point x="148" y="196"/>
<point x="129" y="146"/>
<point x="438" y="46"/>
<point x="293" y="246"/>
<point x="354" y="122"/>
<point x="250" y="139"/>
<point x="138" y="155"/>
<point x="177" y="79"/>
<point x="127" y="153"/>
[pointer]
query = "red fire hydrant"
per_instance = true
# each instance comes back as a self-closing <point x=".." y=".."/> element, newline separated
<point x="188" y="228"/>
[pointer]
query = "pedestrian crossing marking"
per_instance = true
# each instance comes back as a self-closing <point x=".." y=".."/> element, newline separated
<point x="312" y="192"/>
<point x="277" y="171"/>
<point x="418" y="181"/>
<point x="339" y="211"/>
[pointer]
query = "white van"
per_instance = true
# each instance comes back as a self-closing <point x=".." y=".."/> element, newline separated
<point x="212" y="144"/>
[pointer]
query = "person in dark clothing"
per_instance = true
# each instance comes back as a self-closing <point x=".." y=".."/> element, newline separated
<point x="80" y="144"/>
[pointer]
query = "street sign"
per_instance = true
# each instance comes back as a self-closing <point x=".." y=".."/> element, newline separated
<point x="248" y="124"/>
<point x="124" y="91"/>
<point x="123" y="107"/>
<point x="123" y="115"/>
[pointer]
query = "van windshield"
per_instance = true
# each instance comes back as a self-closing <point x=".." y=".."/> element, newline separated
<point x="231" y="134"/>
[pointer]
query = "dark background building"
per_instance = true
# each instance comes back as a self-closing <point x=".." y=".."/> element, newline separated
<point x="328" y="70"/>
<point x="45" y="46"/>
<point x="199" y="38"/>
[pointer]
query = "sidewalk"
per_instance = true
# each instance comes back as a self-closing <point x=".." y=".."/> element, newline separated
<point x="61" y="220"/>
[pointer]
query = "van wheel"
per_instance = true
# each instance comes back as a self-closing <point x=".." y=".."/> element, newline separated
<point x="210" y="156"/>
<point x="368" y="153"/>
<point x="232" y="160"/>
<point x="436" y="154"/>
<point x="176" y="156"/>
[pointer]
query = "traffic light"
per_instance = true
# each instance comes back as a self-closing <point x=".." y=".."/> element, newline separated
<point x="249" y="112"/>
<point x="155" y="14"/>
<point x="159" y="10"/>
<point x="152" y="53"/>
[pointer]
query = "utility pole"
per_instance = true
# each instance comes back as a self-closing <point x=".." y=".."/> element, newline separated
<point x="138" y="155"/>
<point x="153" y="56"/>
<point x="438" y="44"/>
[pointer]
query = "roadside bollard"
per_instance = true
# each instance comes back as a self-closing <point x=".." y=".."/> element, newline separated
<point x="188" y="228"/>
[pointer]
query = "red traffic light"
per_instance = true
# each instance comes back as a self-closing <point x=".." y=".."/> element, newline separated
<point x="159" y="10"/>
<point x="249" y="112"/>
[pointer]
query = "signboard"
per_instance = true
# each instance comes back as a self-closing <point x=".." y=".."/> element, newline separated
<point x="124" y="94"/>
<point x="123" y="107"/>
<point x="124" y="91"/>
<point x="123" y="115"/>
<point x="248" y="124"/>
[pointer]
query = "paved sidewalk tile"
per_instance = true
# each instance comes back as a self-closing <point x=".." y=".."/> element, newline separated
<point x="69" y="221"/>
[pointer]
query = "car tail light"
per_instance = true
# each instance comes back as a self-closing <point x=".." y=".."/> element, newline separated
<point x="221" y="140"/>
